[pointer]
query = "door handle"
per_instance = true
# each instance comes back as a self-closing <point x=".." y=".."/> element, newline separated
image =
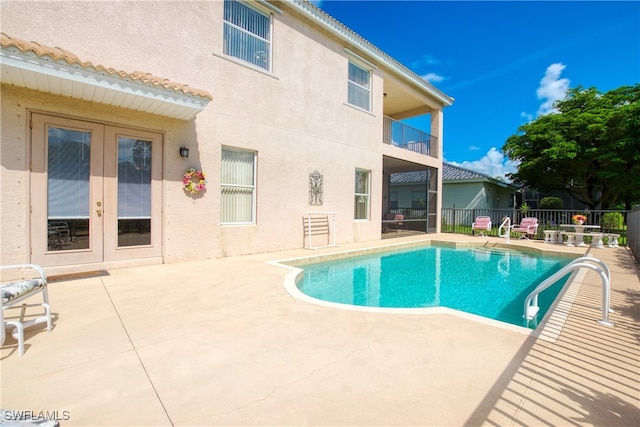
<point x="99" y="212"/>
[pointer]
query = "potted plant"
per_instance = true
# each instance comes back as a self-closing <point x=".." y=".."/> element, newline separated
<point x="579" y="219"/>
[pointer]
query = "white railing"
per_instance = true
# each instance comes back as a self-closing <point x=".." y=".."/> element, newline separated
<point x="506" y="223"/>
<point x="317" y="223"/>
<point x="531" y="302"/>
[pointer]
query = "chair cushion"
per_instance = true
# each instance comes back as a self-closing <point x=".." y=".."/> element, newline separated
<point x="14" y="290"/>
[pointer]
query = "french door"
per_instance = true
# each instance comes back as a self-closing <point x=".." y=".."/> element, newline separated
<point x="95" y="192"/>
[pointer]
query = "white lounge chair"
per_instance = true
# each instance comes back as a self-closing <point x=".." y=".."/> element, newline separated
<point x="24" y="281"/>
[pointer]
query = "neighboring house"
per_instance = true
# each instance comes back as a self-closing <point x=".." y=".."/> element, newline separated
<point x="461" y="188"/>
<point x="285" y="109"/>
<point x="466" y="189"/>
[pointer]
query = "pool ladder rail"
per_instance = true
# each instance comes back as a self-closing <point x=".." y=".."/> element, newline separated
<point x="506" y="223"/>
<point x="531" y="302"/>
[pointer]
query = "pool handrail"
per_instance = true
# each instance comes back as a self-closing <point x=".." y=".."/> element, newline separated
<point x="531" y="302"/>
<point x="506" y="221"/>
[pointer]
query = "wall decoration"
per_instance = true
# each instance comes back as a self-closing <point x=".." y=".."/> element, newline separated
<point x="315" y="188"/>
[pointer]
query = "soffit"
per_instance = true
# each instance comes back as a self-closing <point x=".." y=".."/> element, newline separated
<point x="57" y="71"/>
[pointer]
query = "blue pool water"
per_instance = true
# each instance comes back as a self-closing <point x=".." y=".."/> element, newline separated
<point x="489" y="283"/>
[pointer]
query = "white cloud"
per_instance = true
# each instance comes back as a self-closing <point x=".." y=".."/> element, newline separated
<point x="493" y="164"/>
<point x="552" y="88"/>
<point x="527" y="116"/>
<point x="474" y="148"/>
<point x="433" y="78"/>
<point x="425" y="61"/>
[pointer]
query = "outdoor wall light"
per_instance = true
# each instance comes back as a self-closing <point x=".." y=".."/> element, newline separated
<point x="184" y="152"/>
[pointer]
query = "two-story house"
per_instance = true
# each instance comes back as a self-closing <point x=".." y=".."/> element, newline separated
<point x="106" y="106"/>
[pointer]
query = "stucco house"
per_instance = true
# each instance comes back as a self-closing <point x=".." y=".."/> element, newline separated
<point x="461" y="188"/>
<point x="466" y="189"/>
<point x="106" y="106"/>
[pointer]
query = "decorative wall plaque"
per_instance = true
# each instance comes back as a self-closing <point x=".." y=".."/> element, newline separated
<point x="315" y="188"/>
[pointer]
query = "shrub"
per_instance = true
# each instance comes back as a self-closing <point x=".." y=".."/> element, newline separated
<point x="551" y="203"/>
<point x="612" y="221"/>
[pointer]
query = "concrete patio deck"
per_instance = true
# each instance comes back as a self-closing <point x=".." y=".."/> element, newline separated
<point x="220" y="342"/>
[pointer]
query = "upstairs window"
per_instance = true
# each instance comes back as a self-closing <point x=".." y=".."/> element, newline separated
<point x="247" y="34"/>
<point x="359" y="86"/>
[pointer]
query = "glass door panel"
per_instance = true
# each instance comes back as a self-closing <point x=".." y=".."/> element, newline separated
<point x="133" y="194"/>
<point x="68" y="188"/>
<point x="134" y="191"/>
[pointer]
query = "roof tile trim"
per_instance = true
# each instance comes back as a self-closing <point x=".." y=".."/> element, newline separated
<point x="453" y="172"/>
<point x="59" y="54"/>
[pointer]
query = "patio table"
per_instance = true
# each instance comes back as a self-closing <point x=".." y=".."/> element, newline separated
<point x="579" y="231"/>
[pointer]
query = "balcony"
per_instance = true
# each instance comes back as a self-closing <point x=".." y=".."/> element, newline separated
<point x="406" y="137"/>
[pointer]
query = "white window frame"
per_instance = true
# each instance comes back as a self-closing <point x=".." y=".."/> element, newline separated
<point x="367" y="88"/>
<point x="249" y="33"/>
<point x="235" y="185"/>
<point x="360" y="196"/>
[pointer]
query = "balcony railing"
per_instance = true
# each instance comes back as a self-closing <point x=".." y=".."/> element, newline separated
<point x="401" y="135"/>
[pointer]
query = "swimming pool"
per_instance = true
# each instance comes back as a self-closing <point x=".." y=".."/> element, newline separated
<point x="491" y="283"/>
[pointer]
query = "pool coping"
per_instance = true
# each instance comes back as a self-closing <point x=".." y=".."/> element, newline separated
<point x="548" y="328"/>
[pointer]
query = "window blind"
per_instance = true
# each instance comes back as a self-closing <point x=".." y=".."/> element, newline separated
<point x="238" y="186"/>
<point x="247" y="34"/>
<point x="68" y="169"/>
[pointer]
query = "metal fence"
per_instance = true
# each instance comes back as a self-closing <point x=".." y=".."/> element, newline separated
<point x="610" y="221"/>
<point x="633" y="232"/>
<point x="407" y="137"/>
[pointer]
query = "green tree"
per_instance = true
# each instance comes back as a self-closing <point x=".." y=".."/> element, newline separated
<point x="589" y="148"/>
<point x="551" y="203"/>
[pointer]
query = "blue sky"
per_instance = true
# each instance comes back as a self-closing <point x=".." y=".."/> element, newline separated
<point x="504" y="62"/>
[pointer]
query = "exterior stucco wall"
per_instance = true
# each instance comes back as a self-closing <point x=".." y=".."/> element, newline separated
<point x="295" y="118"/>
<point x="405" y="191"/>
<point x="465" y="196"/>
<point x="17" y="104"/>
<point x="504" y="198"/>
<point x="14" y="180"/>
<point x="476" y="195"/>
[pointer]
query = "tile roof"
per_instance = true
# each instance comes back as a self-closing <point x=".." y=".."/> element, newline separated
<point x="456" y="173"/>
<point x="449" y="173"/>
<point x="58" y="54"/>
<point x="409" y="177"/>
